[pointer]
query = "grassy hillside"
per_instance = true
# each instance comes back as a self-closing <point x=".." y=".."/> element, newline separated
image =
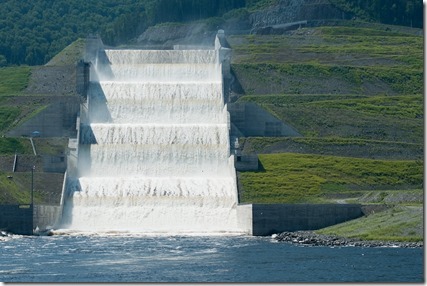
<point x="18" y="186"/>
<point x="350" y="147"/>
<point x="355" y="93"/>
<point x="329" y="60"/>
<point x="359" y="85"/>
<point x="385" y="118"/>
<point x="70" y="55"/>
<point x="13" y="80"/>
<point x="401" y="223"/>
<point x="25" y="91"/>
<point x="306" y="178"/>
<point x="14" y="108"/>
<point x="20" y="100"/>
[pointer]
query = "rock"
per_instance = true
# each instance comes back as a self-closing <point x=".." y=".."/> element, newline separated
<point x="313" y="239"/>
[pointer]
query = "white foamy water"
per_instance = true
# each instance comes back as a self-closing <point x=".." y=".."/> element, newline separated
<point x="154" y="156"/>
<point x="165" y="102"/>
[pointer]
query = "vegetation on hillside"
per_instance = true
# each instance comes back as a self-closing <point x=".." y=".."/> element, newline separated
<point x="13" y="80"/>
<point x="348" y="147"/>
<point x="306" y="178"/>
<point x="337" y="60"/>
<point x="385" y="118"/>
<point x="70" y="55"/>
<point x="396" y="12"/>
<point x="401" y="223"/>
<point x="10" y="146"/>
<point x="32" y="32"/>
<point x="15" y="187"/>
<point x="337" y="84"/>
<point x="355" y="93"/>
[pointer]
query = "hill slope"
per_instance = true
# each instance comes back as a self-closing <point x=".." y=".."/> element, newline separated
<point x="354" y="90"/>
<point x="33" y="32"/>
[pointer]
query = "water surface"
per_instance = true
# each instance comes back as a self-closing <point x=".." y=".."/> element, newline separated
<point x="135" y="258"/>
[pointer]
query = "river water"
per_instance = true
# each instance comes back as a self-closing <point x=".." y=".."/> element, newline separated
<point x="138" y="258"/>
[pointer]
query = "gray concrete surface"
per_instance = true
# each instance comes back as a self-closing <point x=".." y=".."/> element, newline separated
<point x="275" y="218"/>
<point x="16" y="219"/>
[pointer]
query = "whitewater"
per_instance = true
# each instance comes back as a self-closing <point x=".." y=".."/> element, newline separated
<point x="154" y="150"/>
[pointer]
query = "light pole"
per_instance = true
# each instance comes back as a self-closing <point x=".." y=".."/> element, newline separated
<point x="32" y="185"/>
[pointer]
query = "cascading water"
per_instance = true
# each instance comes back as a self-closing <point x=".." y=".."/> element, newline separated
<point x="154" y="153"/>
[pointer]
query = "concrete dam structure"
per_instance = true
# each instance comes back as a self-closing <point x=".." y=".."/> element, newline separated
<point x="153" y="150"/>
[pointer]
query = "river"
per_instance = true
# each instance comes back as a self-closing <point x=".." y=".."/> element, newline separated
<point x="143" y="258"/>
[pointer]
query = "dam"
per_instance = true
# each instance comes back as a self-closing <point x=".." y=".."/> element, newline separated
<point x="153" y="147"/>
<point x="154" y="151"/>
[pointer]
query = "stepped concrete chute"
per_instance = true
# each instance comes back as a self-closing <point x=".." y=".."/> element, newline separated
<point x="153" y="150"/>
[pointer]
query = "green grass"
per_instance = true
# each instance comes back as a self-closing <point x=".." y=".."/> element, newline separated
<point x="15" y="188"/>
<point x="292" y="99"/>
<point x="8" y="116"/>
<point x="70" y="55"/>
<point x="261" y="78"/>
<point x="406" y="107"/>
<point x="391" y="197"/>
<point x="381" y="118"/>
<point x="14" y="79"/>
<point x="12" y="116"/>
<point x="400" y="223"/>
<point x="9" y="146"/>
<point x="51" y="146"/>
<point x="400" y="106"/>
<point x="338" y="59"/>
<point x="303" y="178"/>
<point x="329" y="45"/>
<point x="350" y="91"/>
<point x="348" y="147"/>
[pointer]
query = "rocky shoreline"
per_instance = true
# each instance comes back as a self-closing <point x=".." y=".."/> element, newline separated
<point x="310" y="238"/>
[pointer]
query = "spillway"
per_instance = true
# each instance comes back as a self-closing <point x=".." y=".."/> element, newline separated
<point x="154" y="150"/>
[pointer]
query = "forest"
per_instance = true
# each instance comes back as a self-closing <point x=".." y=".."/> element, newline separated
<point x="32" y="32"/>
<point x="394" y="12"/>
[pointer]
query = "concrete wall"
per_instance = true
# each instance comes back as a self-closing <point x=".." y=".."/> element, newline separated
<point x="251" y="120"/>
<point x="16" y="219"/>
<point x="82" y="78"/>
<point x="46" y="216"/>
<point x="19" y="219"/>
<point x="244" y="218"/>
<point x="275" y="218"/>
<point x="246" y="162"/>
<point x="54" y="164"/>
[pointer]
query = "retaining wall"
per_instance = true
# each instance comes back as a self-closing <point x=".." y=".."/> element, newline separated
<point x="249" y="119"/>
<point x="275" y="218"/>
<point x="46" y="216"/>
<point x="16" y="219"/>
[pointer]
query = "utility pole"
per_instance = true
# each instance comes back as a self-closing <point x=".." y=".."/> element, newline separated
<point x="32" y="185"/>
<point x="32" y="199"/>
